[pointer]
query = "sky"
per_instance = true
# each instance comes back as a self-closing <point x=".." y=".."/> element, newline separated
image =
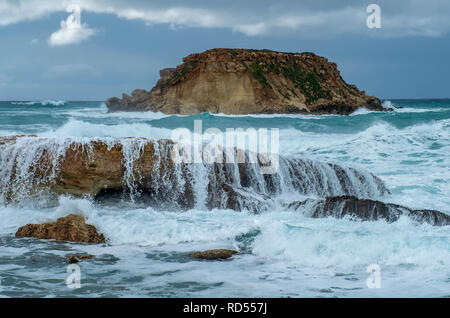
<point x="49" y="51"/>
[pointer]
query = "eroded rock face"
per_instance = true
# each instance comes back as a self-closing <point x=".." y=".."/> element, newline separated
<point x="368" y="210"/>
<point x="71" y="228"/>
<point x="240" y="81"/>
<point x="213" y="254"/>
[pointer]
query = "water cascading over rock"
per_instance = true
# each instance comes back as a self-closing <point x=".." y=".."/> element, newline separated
<point x="33" y="168"/>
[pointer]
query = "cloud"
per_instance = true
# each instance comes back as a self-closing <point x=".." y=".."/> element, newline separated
<point x="72" y="31"/>
<point x="34" y="41"/>
<point x="305" y="18"/>
<point x="68" y="71"/>
<point x="17" y="11"/>
<point x="252" y="29"/>
<point x="70" y="34"/>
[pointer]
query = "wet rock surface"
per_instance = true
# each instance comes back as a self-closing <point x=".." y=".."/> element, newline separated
<point x="72" y="228"/>
<point x="215" y="254"/>
<point x="75" y="258"/>
<point x="368" y="210"/>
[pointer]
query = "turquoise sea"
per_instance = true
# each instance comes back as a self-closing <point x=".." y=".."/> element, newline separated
<point x="284" y="253"/>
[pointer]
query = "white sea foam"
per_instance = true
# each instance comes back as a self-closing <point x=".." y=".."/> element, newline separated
<point x="280" y="249"/>
<point x="288" y="236"/>
<point x="79" y="128"/>
<point x="361" y="111"/>
<point x="43" y="103"/>
<point x="419" y="110"/>
<point x="387" y="104"/>
<point x="102" y="112"/>
<point x="401" y="109"/>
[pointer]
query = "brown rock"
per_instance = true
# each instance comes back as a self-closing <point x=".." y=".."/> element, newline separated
<point x="239" y="81"/>
<point x="75" y="258"/>
<point x="369" y="210"/>
<point x="84" y="256"/>
<point x="213" y="254"/>
<point x="71" y="259"/>
<point x="71" y="228"/>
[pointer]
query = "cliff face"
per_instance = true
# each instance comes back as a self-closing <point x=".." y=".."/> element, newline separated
<point x="240" y="81"/>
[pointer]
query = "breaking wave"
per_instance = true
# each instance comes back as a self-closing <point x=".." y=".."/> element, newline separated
<point x="47" y="102"/>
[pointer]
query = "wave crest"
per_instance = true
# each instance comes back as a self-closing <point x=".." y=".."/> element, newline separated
<point x="47" y="102"/>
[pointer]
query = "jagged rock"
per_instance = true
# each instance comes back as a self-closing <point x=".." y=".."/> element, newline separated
<point x="75" y="258"/>
<point x="367" y="210"/>
<point x="240" y="81"/>
<point x="71" y="228"/>
<point x="213" y="254"/>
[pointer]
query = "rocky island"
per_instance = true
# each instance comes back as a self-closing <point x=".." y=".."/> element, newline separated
<point x="243" y="81"/>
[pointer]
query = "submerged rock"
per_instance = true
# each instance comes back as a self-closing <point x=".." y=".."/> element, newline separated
<point x="367" y="210"/>
<point x="71" y="228"/>
<point x="213" y="254"/>
<point x="71" y="259"/>
<point x="75" y="258"/>
<point x="240" y="81"/>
